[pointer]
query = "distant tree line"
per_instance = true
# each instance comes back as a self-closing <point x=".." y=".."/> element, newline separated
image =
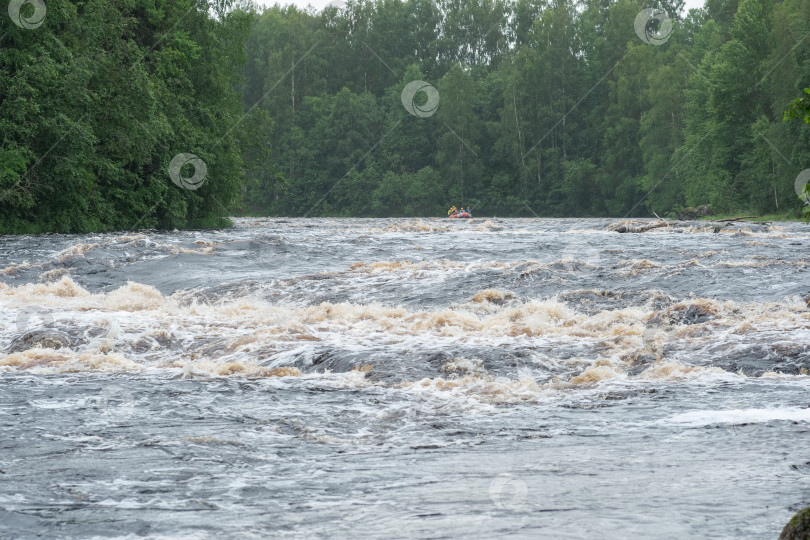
<point x="546" y="108"/>
<point x="391" y="108"/>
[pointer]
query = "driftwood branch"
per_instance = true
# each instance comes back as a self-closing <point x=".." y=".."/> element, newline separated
<point x="734" y="219"/>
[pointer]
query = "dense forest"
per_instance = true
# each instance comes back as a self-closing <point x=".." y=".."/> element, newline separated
<point x="121" y="114"/>
<point x="97" y="96"/>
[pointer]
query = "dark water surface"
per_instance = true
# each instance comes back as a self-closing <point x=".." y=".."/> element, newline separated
<point x="405" y="379"/>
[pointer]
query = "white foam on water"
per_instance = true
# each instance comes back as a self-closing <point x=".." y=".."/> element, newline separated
<point x="704" y="418"/>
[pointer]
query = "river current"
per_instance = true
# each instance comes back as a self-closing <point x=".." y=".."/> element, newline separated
<point x="372" y="378"/>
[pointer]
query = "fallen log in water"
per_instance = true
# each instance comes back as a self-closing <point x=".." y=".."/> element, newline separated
<point x="630" y="228"/>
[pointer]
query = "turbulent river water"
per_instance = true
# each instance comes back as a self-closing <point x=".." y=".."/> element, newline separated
<point x="405" y="379"/>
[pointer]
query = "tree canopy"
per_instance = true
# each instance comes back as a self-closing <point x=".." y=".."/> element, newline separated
<point x="121" y="114"/>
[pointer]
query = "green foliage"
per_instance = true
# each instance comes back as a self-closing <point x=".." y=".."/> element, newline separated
<point x="800" y="108"/>
<point x="546" y="108"/>
<point x="806" y="208"/>
<point x="96" y="102"/>
<point x="551" y="109"/>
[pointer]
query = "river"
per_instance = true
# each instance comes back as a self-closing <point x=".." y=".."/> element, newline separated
<point x="405" y="378"/>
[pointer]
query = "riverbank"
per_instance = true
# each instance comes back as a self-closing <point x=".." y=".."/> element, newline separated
<point x="792" y="216"/>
